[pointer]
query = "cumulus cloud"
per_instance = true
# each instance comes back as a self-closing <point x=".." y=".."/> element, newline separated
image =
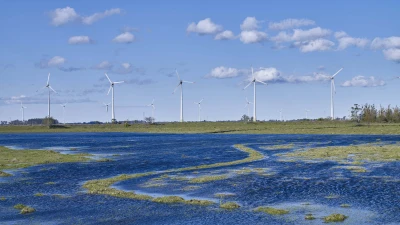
<point x="315" y="77"/>
<point x="62" y="16"/>
<point x="105" y="65"/>
<point x="224" y="72"/>
<point x="271" y="75"/>
<point x="71" y="69"/>
<point x="126" y="38"/>
<point x="225" y="35"/>
<point x="204" y="27"/>
<point x="250" y="23"/>
<point x="65" y="15"/>
<point x="124" y="68"/>
<point x="314" y="45"/>
<point x="252" y="36"/>
<point x="301" y="35"/>
<point x="290" y="23"/>
<point x="79" y="40"/>
<point x="361" y="81"/>
<point x="53" y="62"/>
<point x="386" y="43"/>
<point x="392" y="54"/>
<point x="346" y="41"/>
<point x="98" y="16"/>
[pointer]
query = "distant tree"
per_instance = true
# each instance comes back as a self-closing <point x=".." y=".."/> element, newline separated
<point x="245" y="118"/>
<point x="149" y="119"/>
<point x="354" y="113"/>
<point x="49" y="121"/>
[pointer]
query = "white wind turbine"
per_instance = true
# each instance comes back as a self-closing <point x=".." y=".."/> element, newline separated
<point x="112" y="94"/>
<point x="248" y="106"/>
<point x="333" y="91"/>
<point x="254" y="81"/>
<point x="22" y="109"/>
<point x="63" y="105"/>
<point x="106" y="105"/>
<point x="181" y="84"/>
<point x="49" y="89"/>
<point x="307" y="113"/>
<point x="280" y="114"/>
<point x="152" y="110"/>
<point x="199" y="104"/>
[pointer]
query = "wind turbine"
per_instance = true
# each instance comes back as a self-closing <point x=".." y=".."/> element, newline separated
<point x="50" y="89"/>
<point x="280" y="114"/>
<point x="248" y="106"/>
<point x="63" y="105"/>
<point x="106" y="105"/>
<point x="333" y="91"/>
<point x="22" y="109"/>
<point x="153" y="108"/>
<point x="181" y="84"/>
<point x="112" y="101"/>
<point x="199" y="104"/>
<point x="254" y="81"/>
<point x="307" y="113"/>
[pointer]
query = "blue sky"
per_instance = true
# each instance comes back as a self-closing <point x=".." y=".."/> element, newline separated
<point x="297" y="44"/>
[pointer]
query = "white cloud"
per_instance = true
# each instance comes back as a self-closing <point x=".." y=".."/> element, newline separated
<point x="56" y="61"/>
<point x="253" y="36"/>
<point x="290" y="23"/>
<point x="270" y="74"/>
<point x="225" y="35"/>
<point x="346" y="41"/>
<point x="361" y="81"/>
<point x="126" y="37"/>
<point x="80" y="40"/>
<point x="314" y="45"/>
<point x="250" y="23"/>
<point x="98" y="16"/>
<point x="224" y="72"/>
<point x="385" y="43"/>
<point x="301" y="35"/>
<point x="62" y="16"/>
<point x="124" y="68"/>
<point x="105" y="65"/>
<point x="126" y="65"/>
<point x="392" y="54"/>
<point x="315" y="77"/>
<point x="203" y="27"/>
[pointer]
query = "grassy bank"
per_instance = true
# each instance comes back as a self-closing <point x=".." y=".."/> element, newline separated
<point x="14" y="159"/>
<point x="298" y="127"/>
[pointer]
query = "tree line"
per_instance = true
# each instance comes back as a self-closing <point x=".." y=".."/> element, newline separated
<point x="371" y="114"/>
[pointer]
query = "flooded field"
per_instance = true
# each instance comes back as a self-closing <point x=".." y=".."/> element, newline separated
<point x="199" y="179"/>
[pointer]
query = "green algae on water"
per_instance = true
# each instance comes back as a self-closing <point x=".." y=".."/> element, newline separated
<point x="271" y="211"/>
<point x="229" y="205"/>
<point x="335" y="218"/>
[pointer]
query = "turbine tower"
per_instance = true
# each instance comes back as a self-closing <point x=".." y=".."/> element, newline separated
<point x="22" y="109"/>
<point x="307" y="113"/>
<point x="254" y="81"/>
<point x="199" y="104"/>
<point x="248" y="106"/>
<point x="106" y="105"/>
<point x="333" y="91"/>
<point x="153" y="108"/>
<point x="63" y="105"/>
<point x="49" y="89"/>
<point x="181" y="84"/>
<point x="280" y="114"/>
<point x="112" y="94"/>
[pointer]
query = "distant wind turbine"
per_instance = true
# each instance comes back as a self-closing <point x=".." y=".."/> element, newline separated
<point x="307" y="113"/>
<point x="248" y="106"/>
<point x="22" y="109"/>
<point x="199" y="104"/>
<point x="280" y="114"/>
<point x="254" y="81"/>
<point x="181" y="84"/>
<point x="153" y="108"/>
<point x="112" y="101"/>
<point x="49" y="89"/>
<point x="333" y="91"/>
<point x="63" y="105"/>
<point x="106" y="105"/>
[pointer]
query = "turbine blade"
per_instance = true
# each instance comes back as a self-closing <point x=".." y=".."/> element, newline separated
<point x="201" y="100"/>
<point x="52" y="89"/>
<point x="152" y="101"/>
<point x="190" y="82"/>
<point x="337" y="73"/>
<point x="48" y="79"/>
<point x="154" y="107"/>
<point x="108" y="78"/>
<point x="247" y="100"/>
<point x="109" y="90"/>
<point x="246" y="105"/>
<point x="119" y="82"/>
<point x="176" y="71"/>
<point x="248" y="85"/>
<point x="176" y="88"/>
<point x="261" y="82"/>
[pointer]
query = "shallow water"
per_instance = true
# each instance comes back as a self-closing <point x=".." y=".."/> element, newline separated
<point x="301" y="187"/>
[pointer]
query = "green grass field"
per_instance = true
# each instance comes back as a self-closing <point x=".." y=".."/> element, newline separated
<point x="299" y="127"/>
